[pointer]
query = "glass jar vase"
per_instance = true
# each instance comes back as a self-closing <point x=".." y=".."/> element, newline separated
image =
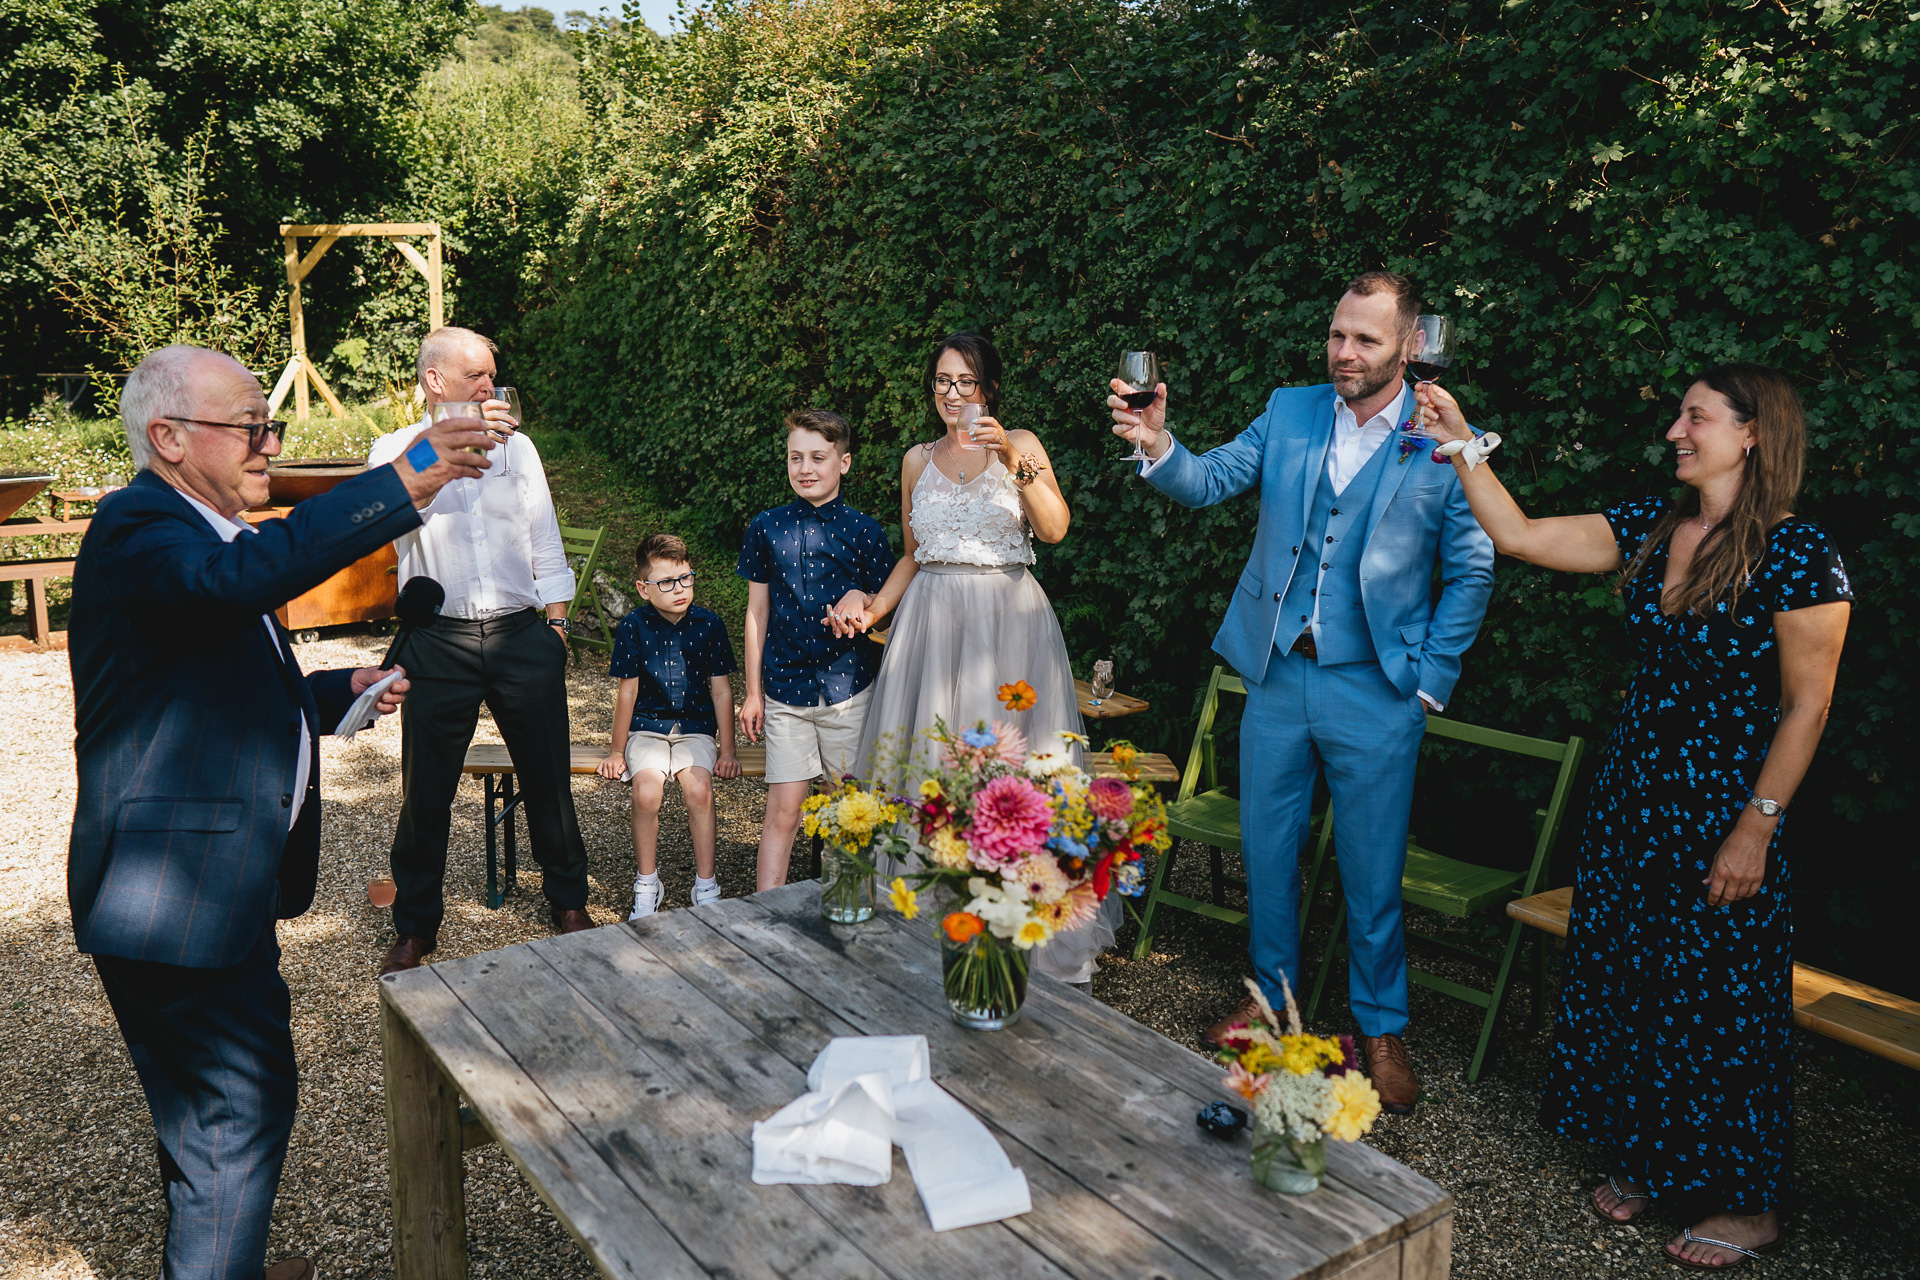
<point x="1282" y="1162"/>
<point x="846" y="886"/>
<point x="986" y="981"/>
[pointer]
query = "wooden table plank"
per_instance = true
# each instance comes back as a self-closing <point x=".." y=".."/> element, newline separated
<point x="1078" y="1229"/>
<point x="612" y="1226"/>
<point x="1857" y="1014"/>
<point x="1111" y="707"/>
<point x="1235" y="1229"/>
<point x="704" y="1052"/>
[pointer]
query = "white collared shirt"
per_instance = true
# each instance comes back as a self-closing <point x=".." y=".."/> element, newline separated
<point x="303" y="769"/>
<point x="493" y="543"/>
<point x="1354" y="442"/>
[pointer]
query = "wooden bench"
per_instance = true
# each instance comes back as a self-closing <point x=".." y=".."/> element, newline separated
<point x="1838" y="1008"/>
<point x="35" y="574"/>
<point x="495" y="768"/>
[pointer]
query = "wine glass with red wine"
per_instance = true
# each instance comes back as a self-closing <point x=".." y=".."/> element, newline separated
<point x="1141" y="371"/>
<point x="1430" y="349"/>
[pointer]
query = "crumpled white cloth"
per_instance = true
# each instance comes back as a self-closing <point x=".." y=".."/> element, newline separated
<point x="868" y="1093"/>
<point x="1473" y="452"/>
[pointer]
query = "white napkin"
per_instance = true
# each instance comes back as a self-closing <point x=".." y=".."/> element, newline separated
<point x="361" y="714"/>
<point x="869" y="1092"/>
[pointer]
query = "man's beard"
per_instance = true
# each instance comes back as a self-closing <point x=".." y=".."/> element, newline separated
<point x="1372" y="382"/>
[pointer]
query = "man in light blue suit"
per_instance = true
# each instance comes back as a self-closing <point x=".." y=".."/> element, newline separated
<point x="1342" y="639"/>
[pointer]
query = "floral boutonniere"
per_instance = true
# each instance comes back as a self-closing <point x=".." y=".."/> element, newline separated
<point x="1412" y="440"/>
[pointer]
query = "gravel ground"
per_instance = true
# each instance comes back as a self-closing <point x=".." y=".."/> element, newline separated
<point x="79" y="1193"/>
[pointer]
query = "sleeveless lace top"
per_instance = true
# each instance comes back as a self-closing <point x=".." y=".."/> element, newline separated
<point x="979" y="522"/>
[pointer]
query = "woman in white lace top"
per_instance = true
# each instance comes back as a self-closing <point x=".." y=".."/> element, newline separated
<point x="971" y="618"/>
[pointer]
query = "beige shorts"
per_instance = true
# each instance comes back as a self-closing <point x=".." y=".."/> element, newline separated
<point x="805" y="742"/>
<point x="669" y="753"/>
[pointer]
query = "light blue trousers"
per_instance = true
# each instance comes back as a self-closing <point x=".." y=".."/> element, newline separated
<point x="1347" y="722"/>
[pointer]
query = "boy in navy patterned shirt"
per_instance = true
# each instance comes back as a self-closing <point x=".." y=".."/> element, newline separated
<point x="672" y="660"/>
<point x="807" y="687"/>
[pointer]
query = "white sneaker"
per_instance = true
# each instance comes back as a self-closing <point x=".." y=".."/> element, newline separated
<point x="646" y="898"/>
<point x="705" y="893"/>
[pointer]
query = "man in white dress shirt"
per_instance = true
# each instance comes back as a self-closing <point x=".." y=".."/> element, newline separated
<point x="494" y="545"/>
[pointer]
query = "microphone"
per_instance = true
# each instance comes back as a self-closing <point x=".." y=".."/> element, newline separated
<point x="418" y="605"/>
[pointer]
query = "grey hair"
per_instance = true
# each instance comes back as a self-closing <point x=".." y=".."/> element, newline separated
<point x="439" y="346"/>
<point x="160" y="386"/>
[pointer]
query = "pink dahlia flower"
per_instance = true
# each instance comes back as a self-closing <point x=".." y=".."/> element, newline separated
<point x="1110" y="798"/>
<point x="1011" y="818"/>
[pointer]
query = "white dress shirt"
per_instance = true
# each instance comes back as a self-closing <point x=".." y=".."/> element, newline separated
<point x="228" y="531"/>
<point x="493" y="543"/>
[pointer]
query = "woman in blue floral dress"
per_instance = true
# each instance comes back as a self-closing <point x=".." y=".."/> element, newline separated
<point x="1671" y="1053"/>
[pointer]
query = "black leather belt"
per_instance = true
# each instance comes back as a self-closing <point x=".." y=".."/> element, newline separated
<point x="1304" y="645"/>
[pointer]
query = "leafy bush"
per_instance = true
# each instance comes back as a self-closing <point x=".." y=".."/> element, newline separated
<point x="787" y="205"/>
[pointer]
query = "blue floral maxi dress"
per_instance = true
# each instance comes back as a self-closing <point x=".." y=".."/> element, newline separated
<point x="1671" y="1050"/>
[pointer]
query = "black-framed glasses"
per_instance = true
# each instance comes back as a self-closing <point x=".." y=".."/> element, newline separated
<point x="965" y="386"/>
<point x="680" y="583"/>
<point x="257" y="432"/>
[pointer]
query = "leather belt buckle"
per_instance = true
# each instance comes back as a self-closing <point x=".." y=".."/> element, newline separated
<point x="1304" y="645"/>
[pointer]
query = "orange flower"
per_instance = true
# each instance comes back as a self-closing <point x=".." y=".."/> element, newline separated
<point x="1018" y="696"/>
<point x="963" y="926"/>
<point x="1124" y="754"/>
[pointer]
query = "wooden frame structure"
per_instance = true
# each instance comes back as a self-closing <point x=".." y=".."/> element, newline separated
<point x="300" y="372"/>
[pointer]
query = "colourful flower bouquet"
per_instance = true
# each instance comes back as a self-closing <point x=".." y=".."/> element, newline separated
<point x="1021" y="845"/>
<point x="1304" y="1090"/>
<point x="846" y="821"/>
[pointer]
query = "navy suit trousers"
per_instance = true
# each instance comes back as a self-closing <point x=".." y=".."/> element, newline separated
<point x="214" y="1050"/>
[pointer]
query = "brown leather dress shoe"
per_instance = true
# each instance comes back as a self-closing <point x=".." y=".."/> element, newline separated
<point x="1243" y="1013"/>
<point x="1392" y="1072"/>
<point x="292" y="1269"/>
<point x="406" y="953"/>
<point x="573" y="920"/>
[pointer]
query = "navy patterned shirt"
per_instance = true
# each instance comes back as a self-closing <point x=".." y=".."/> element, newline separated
<point x="673" y="662"/>
<point x="809" y="557"/>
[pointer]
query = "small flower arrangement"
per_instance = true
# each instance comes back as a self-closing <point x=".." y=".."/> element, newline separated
<point x="1304" y="1090"/>
<point x="846" y="820"/>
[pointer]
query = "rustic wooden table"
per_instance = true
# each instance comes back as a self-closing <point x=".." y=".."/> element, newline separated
<point x="621" y="1070"/>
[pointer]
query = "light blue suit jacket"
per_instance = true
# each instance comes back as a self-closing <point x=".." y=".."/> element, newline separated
<point x="1419" y="520"/>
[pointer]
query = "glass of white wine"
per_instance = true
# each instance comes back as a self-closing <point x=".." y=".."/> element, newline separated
<point x="511" y="398"/>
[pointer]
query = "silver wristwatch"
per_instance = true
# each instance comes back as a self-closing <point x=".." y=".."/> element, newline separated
<point x="1771" y="808"/>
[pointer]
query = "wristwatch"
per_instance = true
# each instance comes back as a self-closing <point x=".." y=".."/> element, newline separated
<point x="566" y="628"/>
<point x="1770" y="808"/>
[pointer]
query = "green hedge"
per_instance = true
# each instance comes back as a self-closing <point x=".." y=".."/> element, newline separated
<point x="790" y="202"/>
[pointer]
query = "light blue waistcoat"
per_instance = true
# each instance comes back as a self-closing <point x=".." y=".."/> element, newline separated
<point x="1335" y="536"/>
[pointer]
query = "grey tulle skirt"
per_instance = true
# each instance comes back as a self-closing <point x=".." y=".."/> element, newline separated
<point x="959" y="633"/>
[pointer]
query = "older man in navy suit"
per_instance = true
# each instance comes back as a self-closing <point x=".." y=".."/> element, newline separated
<point x="1342" y="642"/>
<point x="198" y="821"/>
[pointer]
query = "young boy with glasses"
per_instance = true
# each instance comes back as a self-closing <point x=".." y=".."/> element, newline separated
<point x="672" y="659"/>
<point x="807" y="688"/>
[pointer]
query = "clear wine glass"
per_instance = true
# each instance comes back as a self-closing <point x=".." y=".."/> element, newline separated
<point x="1430" y="348"/>
<point x="1102" y="682"/>
<point x="511" y="399"/>
<point x="461" y="411"/>
<point x="1141" y="371"/>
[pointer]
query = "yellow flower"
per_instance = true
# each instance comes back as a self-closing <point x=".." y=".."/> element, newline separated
<point x="1031" y="934"/>
<point x="904" y="900"/>
<point x="1352" y="1108"/>
<point x="930" y="789"/>
<point x="1258" y="1059"/>
<point x="1303" y="1054"/>
<point x="948" y="849"/>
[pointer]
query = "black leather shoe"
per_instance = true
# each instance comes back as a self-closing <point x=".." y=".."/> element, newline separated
<point x="406" y="953"/>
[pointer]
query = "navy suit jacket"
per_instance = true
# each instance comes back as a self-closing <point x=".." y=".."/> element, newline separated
<point x="1420" y="521"/>
<point x="188" y="717"/>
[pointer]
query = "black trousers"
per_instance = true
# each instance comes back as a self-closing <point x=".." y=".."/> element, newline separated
<point x="214" y="1053"/>
<point x="517" y="666"/>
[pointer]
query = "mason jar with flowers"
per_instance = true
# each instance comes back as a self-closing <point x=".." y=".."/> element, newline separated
<point x="845" y="820"/>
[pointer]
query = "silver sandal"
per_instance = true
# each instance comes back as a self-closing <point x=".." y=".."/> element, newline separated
<point x="1751" y="1255"/>
<point x="1622" y="1197"/>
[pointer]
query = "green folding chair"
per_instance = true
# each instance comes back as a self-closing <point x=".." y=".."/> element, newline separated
<point x="582" y="547"/>
<point x="1211" y="816"/>
<point x="1461" y="889"/>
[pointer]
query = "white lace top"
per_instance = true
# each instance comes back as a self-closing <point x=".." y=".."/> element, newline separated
<point x="979" y="522"/>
